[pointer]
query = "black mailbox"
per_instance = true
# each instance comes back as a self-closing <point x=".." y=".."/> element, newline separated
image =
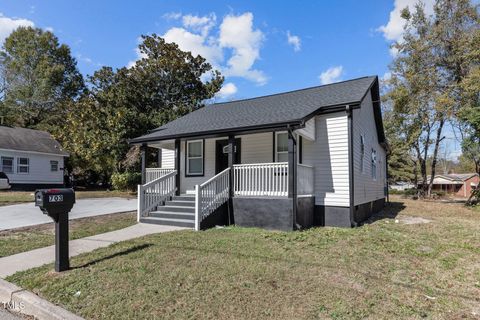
<point x="57" y="203"/>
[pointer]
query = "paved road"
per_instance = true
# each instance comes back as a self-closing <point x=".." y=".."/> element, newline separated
<point x="26" y="214"/>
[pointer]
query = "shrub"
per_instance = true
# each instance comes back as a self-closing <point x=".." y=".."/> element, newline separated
<point x="126" y="181"/>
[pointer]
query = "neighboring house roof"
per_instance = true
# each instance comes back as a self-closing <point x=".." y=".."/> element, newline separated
<point x="454" y="178"/>
<point x="289" y="108"/>
<point x="29" y="140"/>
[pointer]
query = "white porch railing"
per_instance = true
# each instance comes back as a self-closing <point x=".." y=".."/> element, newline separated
<point x="261" y="179"/>
<point x="304" y="179"/>
<point x="210" y="195"/>
<point x="153" y="193"/>
<point x="155" y="173"/>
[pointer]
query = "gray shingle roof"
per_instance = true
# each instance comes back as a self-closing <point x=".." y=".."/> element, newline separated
<point x="288" y="107"/>
<point x="457" y="176"/>
<point x="22" y="139"/>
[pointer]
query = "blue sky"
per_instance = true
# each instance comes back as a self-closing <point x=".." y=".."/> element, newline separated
<point x="327" y="34"/>
<point x="262" y="47"/>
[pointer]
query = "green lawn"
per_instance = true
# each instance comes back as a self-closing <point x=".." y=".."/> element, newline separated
<point x="29" y="238"/>
<point x="382" y="270"/>
<point x="13" y="197"/>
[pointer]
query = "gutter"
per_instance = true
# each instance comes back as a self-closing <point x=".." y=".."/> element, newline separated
<point x="298" y="124"/>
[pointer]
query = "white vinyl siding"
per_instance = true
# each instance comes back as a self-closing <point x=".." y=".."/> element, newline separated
<point x="168" y="158"/>
<point x="39" y="167"/>
<point x="328" y="154"/>
<point x="257" y="148"/>
<point x="366" y="187"/>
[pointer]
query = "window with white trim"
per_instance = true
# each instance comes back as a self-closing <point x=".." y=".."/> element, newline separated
<point x="362" y="152"/>
<point x="23" y="165"/>
<point x="53" y="165"/>
<point x="374" y="164"/>
<point x="7" y="164"/>
<point x="281" y="147"/>
<point x="195" y="157"/>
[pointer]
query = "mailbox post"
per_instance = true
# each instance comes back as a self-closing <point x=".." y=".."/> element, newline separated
<point x="57" y="203"/>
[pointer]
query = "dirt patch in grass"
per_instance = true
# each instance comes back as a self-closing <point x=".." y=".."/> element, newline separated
<point x="15" y="197"/>
<point x="28" y="238"/>
<point x="382" y="270"/>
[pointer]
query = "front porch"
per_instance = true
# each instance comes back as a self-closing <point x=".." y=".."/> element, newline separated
<point x="232" y="174"/>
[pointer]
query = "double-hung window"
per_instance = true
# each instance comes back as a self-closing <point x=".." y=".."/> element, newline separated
<point x="362" y="152"/>
<point x="374" y="164"/>
<point x="23" y="165"/>
<point x="7" y="164"/>
<point x="195" y="158"/>
<point x="53" y="165"/>
<point x="281" y="147"/>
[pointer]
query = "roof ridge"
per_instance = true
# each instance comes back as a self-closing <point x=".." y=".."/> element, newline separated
<point x="291" y="91"/>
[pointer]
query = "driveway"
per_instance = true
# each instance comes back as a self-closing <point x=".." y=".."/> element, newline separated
<point x="26" y="214"/>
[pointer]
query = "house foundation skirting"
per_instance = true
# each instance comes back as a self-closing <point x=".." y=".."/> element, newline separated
<point x="365" y="210"/>
<point x="272" y="213"/>
<point x="333" y="216"/>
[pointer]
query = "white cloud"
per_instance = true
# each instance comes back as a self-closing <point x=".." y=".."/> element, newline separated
<point x="294" y="41"/>
<point x="228" y="89"/>
<point x="195" y="43"/>
<point x="172" y="16"/>
<point x="7" y="25"/>
<point x="202" y="24"/>
<point x="237" y="33"/>
<point x="333" y="74"/>
<point x="233" y="47"/>
<point x="393" y="30"/>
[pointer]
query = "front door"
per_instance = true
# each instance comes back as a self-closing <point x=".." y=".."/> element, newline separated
<point x="221" y="151"/>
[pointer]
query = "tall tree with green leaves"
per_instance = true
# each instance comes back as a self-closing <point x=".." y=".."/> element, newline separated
<point x="125" y="103"/>
<point x="435" y="57"/>
<point x="38" y="77"/>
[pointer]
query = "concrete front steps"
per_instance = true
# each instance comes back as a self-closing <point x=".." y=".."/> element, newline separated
<point x="179" y="212"/>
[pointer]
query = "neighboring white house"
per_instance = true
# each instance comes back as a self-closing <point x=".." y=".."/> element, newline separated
<point x="315" y="156"/>
<point x="31" y="158"/>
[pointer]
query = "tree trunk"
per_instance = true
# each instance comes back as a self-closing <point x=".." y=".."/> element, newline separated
<point x="438" y="139"/>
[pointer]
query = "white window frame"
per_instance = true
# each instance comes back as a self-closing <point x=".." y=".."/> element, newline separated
<point x="19" y="165"/>
<point x="187" y="158"/>
<point x="374" y="164"/>
<point x="52" y="163"/>
<point x="362" y="153"/>
<point x="276" y="145"/>
<point x="13" y="164"/>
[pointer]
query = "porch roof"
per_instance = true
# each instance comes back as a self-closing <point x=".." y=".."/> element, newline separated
<point x="272" y="111"/>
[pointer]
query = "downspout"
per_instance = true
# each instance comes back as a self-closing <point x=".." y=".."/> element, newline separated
<point x="349" y="111"/>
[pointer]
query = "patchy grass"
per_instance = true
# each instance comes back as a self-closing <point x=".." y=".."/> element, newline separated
<point x="14" y="197"/>
<point x="29" y="238"/>
<point x="382" y="270"/>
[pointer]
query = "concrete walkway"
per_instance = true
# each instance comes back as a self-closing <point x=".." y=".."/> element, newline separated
<point x="38" y="257"/>
<point x="26" y="214"/>
<point x="5" y="315"/>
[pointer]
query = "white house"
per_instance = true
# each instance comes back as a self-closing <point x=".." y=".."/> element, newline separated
<point x="31" y="158"/>
<point x="315" y="156"/>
